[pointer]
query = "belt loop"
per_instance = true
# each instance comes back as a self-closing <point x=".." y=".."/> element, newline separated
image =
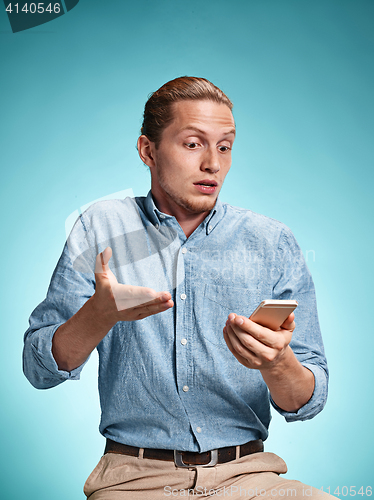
<point x="237" y="456"/>
<point x="141" y="453"/>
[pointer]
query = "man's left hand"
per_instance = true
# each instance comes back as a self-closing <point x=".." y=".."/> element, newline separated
<point x="256" y="346"/>
<point x="290" y="383"/>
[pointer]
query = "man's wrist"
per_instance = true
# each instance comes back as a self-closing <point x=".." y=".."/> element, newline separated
<point x="101" y="315"/>
<point x="284" y="362"/>
<point x="290" y="384"/>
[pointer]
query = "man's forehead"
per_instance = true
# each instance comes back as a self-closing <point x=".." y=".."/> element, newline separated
<point x="203" y="115"/>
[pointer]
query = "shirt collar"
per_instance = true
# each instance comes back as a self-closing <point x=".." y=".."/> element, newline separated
<point x="209" y="223"/>
<point x="214" y="217"/>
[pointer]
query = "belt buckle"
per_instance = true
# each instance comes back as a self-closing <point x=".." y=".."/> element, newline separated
<point x="178" y="460"/>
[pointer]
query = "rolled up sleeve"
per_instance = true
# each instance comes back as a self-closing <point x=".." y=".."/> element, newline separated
<point x="315" y="403"/>
<point x="68" y="291"/>
<point x="39" y="364"/>
<point x="295" y="282"/>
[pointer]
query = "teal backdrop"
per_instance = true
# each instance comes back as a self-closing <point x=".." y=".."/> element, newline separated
<point x="300" y="74"/>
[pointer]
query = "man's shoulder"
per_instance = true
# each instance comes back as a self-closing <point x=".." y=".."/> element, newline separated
<point x="250" y="219"/>
<point x="110" y="206"/>
<point x="106" y="215"/>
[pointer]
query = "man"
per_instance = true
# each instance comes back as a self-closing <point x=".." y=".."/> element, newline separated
<point x="185" y="378"/>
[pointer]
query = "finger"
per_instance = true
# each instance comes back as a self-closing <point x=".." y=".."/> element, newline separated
<point x="129" y="297"/>
<point x="244" y="343"/>
<point x="256" y="353"/>
<point x="228" y="341"/>
<point x="273" y="339"/>
<point x="289" y="323"/>
<point x="154" y="307"/>
<point x="106" y="255"/>
<point x="162" y="298"/>
<point x="102" y="259"/>
<point x="243" y="326"/>
<point x="248" y="359"/>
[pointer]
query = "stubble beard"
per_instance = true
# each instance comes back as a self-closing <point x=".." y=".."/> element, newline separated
<point x="196" y="206"/>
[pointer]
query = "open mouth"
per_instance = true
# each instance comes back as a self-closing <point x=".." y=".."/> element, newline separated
<point x="206" y="186"/>
<point x="206" y="183"/>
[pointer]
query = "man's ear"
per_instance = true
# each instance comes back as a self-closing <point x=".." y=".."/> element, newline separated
<point x="146" y="150"/>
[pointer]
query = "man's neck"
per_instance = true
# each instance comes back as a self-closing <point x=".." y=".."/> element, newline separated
<point x="190" y="224"/>
<point x="188" y="221"/>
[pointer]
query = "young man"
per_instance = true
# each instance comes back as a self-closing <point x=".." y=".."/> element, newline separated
<point x="185" y="378"/>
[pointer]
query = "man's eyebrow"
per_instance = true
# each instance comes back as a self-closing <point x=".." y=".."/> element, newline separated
<point x="199" y="131"/>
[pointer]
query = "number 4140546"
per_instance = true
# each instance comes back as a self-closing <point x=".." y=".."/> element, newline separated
<point x="349" y="491"/>
<point x="34" y="8"/>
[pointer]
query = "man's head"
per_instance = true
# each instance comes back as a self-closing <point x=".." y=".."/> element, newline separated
<point x="158" y="110"/>
<point x="187" y="136"/>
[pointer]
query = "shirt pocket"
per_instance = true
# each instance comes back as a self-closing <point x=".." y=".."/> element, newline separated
<point x="218" y="302"/>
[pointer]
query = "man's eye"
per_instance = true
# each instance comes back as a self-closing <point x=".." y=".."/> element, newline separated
<point x="223" y="149"/>
<point x="192" y="145"/>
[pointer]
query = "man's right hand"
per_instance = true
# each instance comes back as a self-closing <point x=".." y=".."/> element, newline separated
<point x="77" y="338"/>
<point x="124" y="302"/>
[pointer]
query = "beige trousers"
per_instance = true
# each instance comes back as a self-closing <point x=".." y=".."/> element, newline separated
<point x="121" y="477"/>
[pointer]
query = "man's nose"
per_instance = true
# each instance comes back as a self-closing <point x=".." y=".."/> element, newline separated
<point x="211" y="161"/>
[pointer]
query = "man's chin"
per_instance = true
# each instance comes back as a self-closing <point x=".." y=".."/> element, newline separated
<point x="199" y="206"/>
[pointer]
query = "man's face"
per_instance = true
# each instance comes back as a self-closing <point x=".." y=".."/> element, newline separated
<point x="193" y="157"/>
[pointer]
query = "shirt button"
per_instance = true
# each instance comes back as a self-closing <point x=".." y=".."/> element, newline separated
<point x="162" y="216"/>
<point x="184" y="250"/>
<point x="198" y="429"/>
<point x="183" y="296"/>
<point x="209" y="229"/>
<point x="157" y="226"/>
<point x="186" y="388"/>
<point x="184" y="341"/>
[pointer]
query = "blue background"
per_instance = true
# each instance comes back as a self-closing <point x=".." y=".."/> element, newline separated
<point x="300" y="74"/>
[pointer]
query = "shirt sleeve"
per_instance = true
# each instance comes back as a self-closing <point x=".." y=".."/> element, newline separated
<point x="294" y="281"/>
<point x="72" y="284"/>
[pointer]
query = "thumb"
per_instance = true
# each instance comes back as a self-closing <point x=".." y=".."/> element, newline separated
<point x="102" y="259"/>
<point x="289" y="323"/>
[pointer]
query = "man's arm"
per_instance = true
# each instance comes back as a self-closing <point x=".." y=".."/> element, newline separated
<point x="77" y="314"/>
<point x="73" y="341"/>
<point x="291" y="385"/>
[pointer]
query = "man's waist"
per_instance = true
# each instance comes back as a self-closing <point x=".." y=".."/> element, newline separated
<point x="188" y="458"/>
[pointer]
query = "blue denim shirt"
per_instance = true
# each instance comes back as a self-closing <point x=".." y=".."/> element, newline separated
<point x="169" y="380"/>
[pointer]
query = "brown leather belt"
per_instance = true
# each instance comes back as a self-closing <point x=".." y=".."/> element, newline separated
<point x="188" y="458"/>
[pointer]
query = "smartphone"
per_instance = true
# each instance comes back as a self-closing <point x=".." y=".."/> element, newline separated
<point x="272" y="313"/>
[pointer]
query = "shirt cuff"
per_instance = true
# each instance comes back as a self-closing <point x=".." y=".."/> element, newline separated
<point x="315" y="403"/>
<point x="45" y="370"/>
